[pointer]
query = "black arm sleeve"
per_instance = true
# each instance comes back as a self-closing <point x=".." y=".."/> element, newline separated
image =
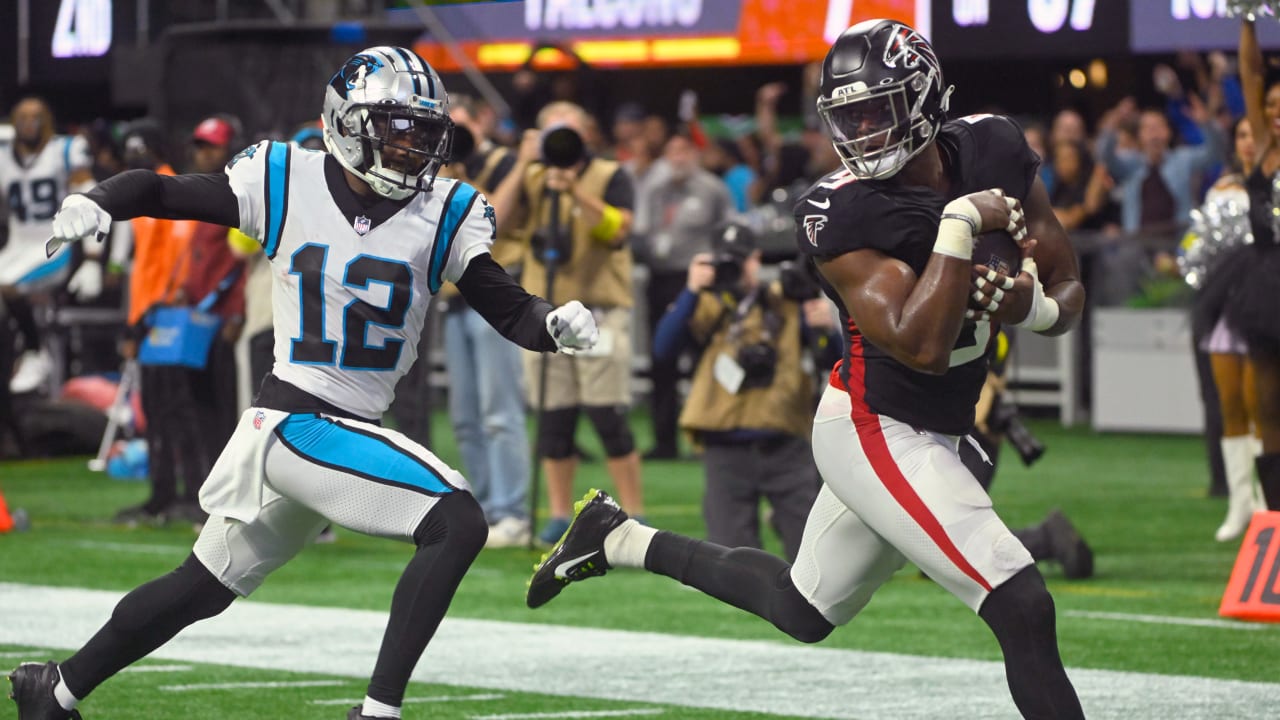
<point x="142" y="193"/>
<point x="517" y="315"/>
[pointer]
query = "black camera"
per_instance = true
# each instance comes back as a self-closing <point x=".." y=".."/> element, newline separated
<point x="799" y="280"/>
<point x="759" y="362"/>
<point x="1004" y="420"/>
<point x="463" y="145"/>
<point x="728" y="267"/>
<point x="563" y="147"/>
<point x="731" y="244"/>
<point x="543" y="243"/>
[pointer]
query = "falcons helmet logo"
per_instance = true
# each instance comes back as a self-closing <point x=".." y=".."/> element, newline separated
<point x="908" y="47"/>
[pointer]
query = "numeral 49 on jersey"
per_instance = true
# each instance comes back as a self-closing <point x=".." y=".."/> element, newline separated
<point x="311" y="347"/>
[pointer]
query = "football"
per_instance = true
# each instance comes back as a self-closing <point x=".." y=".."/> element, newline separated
<point x="999" y="251"/>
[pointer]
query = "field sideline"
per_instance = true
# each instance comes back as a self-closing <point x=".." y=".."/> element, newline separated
<point x="1150" y="612"/>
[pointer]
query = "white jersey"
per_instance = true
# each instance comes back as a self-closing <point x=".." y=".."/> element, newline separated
<point x="349" y="296"/>
<point x="33" y="192"/>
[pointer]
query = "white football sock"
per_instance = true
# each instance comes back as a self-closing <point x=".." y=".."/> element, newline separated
<point x="373" y="708"/>
<point x="627" y="544"/>
<point x="63" y="695"/>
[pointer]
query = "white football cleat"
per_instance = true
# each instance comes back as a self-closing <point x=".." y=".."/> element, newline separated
<point x="33" y="369"/>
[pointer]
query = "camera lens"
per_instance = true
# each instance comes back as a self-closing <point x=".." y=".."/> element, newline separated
<point x="563" y="147"/>
<point x="728" y="272"/>
<point x="464" y="143"/>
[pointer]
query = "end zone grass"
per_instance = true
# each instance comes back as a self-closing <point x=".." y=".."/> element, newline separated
<point x="1139" y="500"/>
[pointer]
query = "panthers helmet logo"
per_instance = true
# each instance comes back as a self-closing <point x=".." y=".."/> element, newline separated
<point x="353" y="73"/>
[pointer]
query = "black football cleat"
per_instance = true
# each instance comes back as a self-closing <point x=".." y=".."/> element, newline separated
<point x="579" y="554"/>
<point x="1068" y="547"/>
<point x="32" y="689"/>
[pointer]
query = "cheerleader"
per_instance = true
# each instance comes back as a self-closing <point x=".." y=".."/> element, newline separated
<point x="1215" y="252"/>
<point x="1253" y="308"/>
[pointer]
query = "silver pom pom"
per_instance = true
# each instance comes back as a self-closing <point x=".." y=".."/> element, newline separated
<point x="1253" y="9"/>
<point x="1221" y="224"/>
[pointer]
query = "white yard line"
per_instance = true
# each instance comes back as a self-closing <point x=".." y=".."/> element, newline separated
<point x="571" y="714"/>
<point x="139" y="548"/>
<point x="478" y="697"/>
<point x="780" y="678"/>
<point x="1169" y="620"/>
<point x="157" y="668"/>
<point x="253" y="685"/>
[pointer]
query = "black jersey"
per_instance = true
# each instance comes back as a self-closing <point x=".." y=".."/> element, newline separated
<point x="840" y="214"/>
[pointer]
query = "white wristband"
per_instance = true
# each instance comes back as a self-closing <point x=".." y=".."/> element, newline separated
<point x="1044" y="310"/>
<point x="957" y="229"/>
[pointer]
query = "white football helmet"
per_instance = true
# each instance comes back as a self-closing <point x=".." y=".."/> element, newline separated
<point x="386" y="119"/>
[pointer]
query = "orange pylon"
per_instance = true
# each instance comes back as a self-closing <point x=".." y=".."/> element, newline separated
<point x="6" y="520"/>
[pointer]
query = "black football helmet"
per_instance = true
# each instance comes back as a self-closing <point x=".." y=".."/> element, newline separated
<point x="883" y="98"/>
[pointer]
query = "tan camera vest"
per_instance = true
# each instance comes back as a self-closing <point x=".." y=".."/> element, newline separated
<point x="597" y="274"/>
<point x="785" y="406"/>
<point x="508" y="248"/>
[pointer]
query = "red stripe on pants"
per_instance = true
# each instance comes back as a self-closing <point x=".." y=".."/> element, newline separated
<point x="874" y="446"/>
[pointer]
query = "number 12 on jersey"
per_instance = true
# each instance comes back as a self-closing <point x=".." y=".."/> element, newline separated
<point x="312" y="347"/>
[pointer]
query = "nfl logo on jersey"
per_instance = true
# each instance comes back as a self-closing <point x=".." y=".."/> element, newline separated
<point x="258" y="417"/>
<point x="361" y="224"/>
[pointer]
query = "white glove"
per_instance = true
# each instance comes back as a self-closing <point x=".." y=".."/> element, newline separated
<point x="79" y="218"/>
<point x="573" y="327"/>
<point x="86" y="283"/>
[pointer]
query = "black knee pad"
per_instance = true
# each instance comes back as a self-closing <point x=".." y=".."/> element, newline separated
<point x="555" y="433"/>
<point x="456" y="519"/>
<point x="611" y="425"/>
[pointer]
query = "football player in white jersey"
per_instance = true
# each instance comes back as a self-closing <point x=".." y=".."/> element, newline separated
<point x="361" y="237"/>
<point x="37" y="170"/>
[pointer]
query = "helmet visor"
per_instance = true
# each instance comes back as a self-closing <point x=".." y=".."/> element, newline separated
<point x="877" y="131"/>
<point x="869" y="122"/>
<point x="408" y="142"/>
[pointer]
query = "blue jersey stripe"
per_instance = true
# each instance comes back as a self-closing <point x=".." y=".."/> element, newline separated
<point x="66" y="156"/>
<point x="365" y="454"/>
<point x="277" y="195"/>
<point x="457" y="205"/>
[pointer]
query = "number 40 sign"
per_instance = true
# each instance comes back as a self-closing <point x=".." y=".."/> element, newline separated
<point x="1253" y="592"/>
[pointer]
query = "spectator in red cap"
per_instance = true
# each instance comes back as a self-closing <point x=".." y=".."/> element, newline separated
<point x="212" y="269"/>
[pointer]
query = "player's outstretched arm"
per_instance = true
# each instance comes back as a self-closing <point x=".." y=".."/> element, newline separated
<point x="513" y="312"/>
<point x="142" y="193"/>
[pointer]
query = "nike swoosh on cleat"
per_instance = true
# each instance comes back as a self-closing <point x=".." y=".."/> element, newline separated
<point x="563" y="568"/>
<point x="826" y="203"/>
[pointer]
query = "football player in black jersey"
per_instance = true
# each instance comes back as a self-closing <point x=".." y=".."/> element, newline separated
<point x="893" y="236"/>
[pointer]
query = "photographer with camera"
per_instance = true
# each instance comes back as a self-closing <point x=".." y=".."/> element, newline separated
<point x="676" y="214"/>
<point x="579" y="213"/>
<point x="750" y="405"/>
<point x="486" y="404"/>
<point x="1055" y="538"/>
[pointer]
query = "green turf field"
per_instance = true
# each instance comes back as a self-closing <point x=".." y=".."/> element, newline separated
<point x="1140" y="501"/>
